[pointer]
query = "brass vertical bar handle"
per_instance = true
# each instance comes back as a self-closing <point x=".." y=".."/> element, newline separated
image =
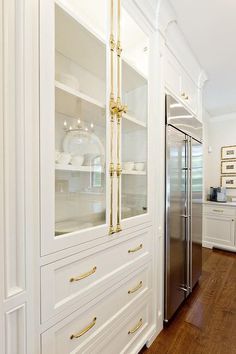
<point x="138" y="325"/>
<point x="112" y="108"/>
<point x="85" y="330"/>
<point x="119" y="112"/>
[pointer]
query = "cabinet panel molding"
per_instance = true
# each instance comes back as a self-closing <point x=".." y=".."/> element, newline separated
<point x="14" y="149"/>
<point x="15" y="322"/>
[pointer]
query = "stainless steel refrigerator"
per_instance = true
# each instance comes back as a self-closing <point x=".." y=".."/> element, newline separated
<point x="183" y="234"/>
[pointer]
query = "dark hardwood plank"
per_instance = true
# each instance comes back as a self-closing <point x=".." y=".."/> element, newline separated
<point x="206" y="323"/>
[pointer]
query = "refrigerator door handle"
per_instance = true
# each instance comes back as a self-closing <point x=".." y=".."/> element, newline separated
<point x="188" y="212"/>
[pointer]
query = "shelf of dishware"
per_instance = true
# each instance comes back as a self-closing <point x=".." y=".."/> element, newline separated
<point x="91" y="169"/>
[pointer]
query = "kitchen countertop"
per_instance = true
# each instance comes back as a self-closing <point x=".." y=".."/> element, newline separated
<point x="232" y="204"/>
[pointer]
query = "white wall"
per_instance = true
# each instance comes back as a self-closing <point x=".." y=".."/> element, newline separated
<point x="219" y="131"/>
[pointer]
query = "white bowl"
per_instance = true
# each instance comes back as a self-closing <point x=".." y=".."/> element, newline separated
<point x="77" y="160"/>
<point x="57" y="155"/>
<point x="64" y="158"/>
<point x="128" y="166"/>
<point x="139" y="166"/>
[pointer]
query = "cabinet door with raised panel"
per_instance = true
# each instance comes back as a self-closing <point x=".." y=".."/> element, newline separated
<point x="73" y="128"/>
<point x="219" y="230"/>
<point x="134" y="141"/>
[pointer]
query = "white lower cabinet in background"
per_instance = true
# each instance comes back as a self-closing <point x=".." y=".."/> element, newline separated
<point x="219" y="226"/>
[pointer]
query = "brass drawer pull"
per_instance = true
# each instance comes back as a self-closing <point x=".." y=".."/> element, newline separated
<point x="85" y="330"/>
<point x="138" y="325"/>
<point x="136" y="249"/>
<point x="131" y="291"/>
<point x="218" y="210"/>
<point x="82" y="276"/>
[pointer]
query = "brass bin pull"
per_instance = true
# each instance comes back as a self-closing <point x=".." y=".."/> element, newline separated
<point x="85" y="330"/>
<point x="218" y="210"/>
<point x="131" y="291"/>
<point x="138" y="325"/>
<point x="136" y="249"/>
<point x="85" y="275"/>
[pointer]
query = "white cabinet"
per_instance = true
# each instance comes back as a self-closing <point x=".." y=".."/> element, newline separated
<point x="94" y="124"/>
<point x="97" y="238"/>
<point x="179" y="83"/>
<point x="219" y="227"/>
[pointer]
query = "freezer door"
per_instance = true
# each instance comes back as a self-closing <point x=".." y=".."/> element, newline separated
<point x="196" y="212"/>
<point x="176" y="221"/>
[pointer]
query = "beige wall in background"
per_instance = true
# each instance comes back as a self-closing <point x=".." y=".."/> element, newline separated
<point x="219" y="131"/>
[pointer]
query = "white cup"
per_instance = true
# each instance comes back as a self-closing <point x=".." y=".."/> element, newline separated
<point x="139" y="166"/>
<point x="77" y="160"/>
<point x="64" y="158"/>
<point x="128" y="166"/>
<point x="57" y="155"/>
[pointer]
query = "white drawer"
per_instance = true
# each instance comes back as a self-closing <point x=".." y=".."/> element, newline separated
<point x="219" y="210"/>
<point x="61" y="339"/>
<point x="80" y="279"/>
<point x="124" y="337"/>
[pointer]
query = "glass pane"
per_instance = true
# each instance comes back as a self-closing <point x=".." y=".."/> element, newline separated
<point x="80" y="130"/>
<point x="135" y="121"/>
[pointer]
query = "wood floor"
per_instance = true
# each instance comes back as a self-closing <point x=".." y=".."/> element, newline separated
<point x="206" y="323"/>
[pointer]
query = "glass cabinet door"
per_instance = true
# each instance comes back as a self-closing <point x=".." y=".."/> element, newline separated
<point x="80" y="115"/>
<point x="135" y="121"/>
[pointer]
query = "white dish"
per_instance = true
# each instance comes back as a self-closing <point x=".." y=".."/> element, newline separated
<point x="80" y="142"/>
<point x="128" y="166"/>
<point x="64" y="158"/>
<point x="139" y="166"/>
<point x="77" y="160"/>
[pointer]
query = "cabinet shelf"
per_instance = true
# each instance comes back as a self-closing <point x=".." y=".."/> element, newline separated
<point x="138" y="173"/>
<point x="131" y="123"/>
<point x="78" y="94"/>
<point x="90" y="169"/>
<point x="79" y="168"/>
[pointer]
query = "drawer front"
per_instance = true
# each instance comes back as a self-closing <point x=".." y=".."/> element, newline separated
<point x="124" y="336"/>
<point x="75" y="332"/>
<point x="219" y="210"/>
<point x="73" y="279"/>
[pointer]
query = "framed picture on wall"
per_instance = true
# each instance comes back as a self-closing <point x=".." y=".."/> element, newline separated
<point x="228" y="152"/>
<point x="228" y="181"/>
<point x="228" y="167"/>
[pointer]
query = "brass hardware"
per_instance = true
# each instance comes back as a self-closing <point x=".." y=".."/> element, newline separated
<point x="131" y="291"/>
<point x="218" y="210"/>
<point x="82" y="276"/>
<point x="116" y="110"/>
<point x="112" y="115"/>
<point x="85" y="330"/>
<point x="183" y="94"/>
<point x="138" y="325"/>
<point x="136" y="249"/>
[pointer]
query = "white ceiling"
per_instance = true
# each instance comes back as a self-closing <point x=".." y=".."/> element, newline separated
<point x="210" y="29"/>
